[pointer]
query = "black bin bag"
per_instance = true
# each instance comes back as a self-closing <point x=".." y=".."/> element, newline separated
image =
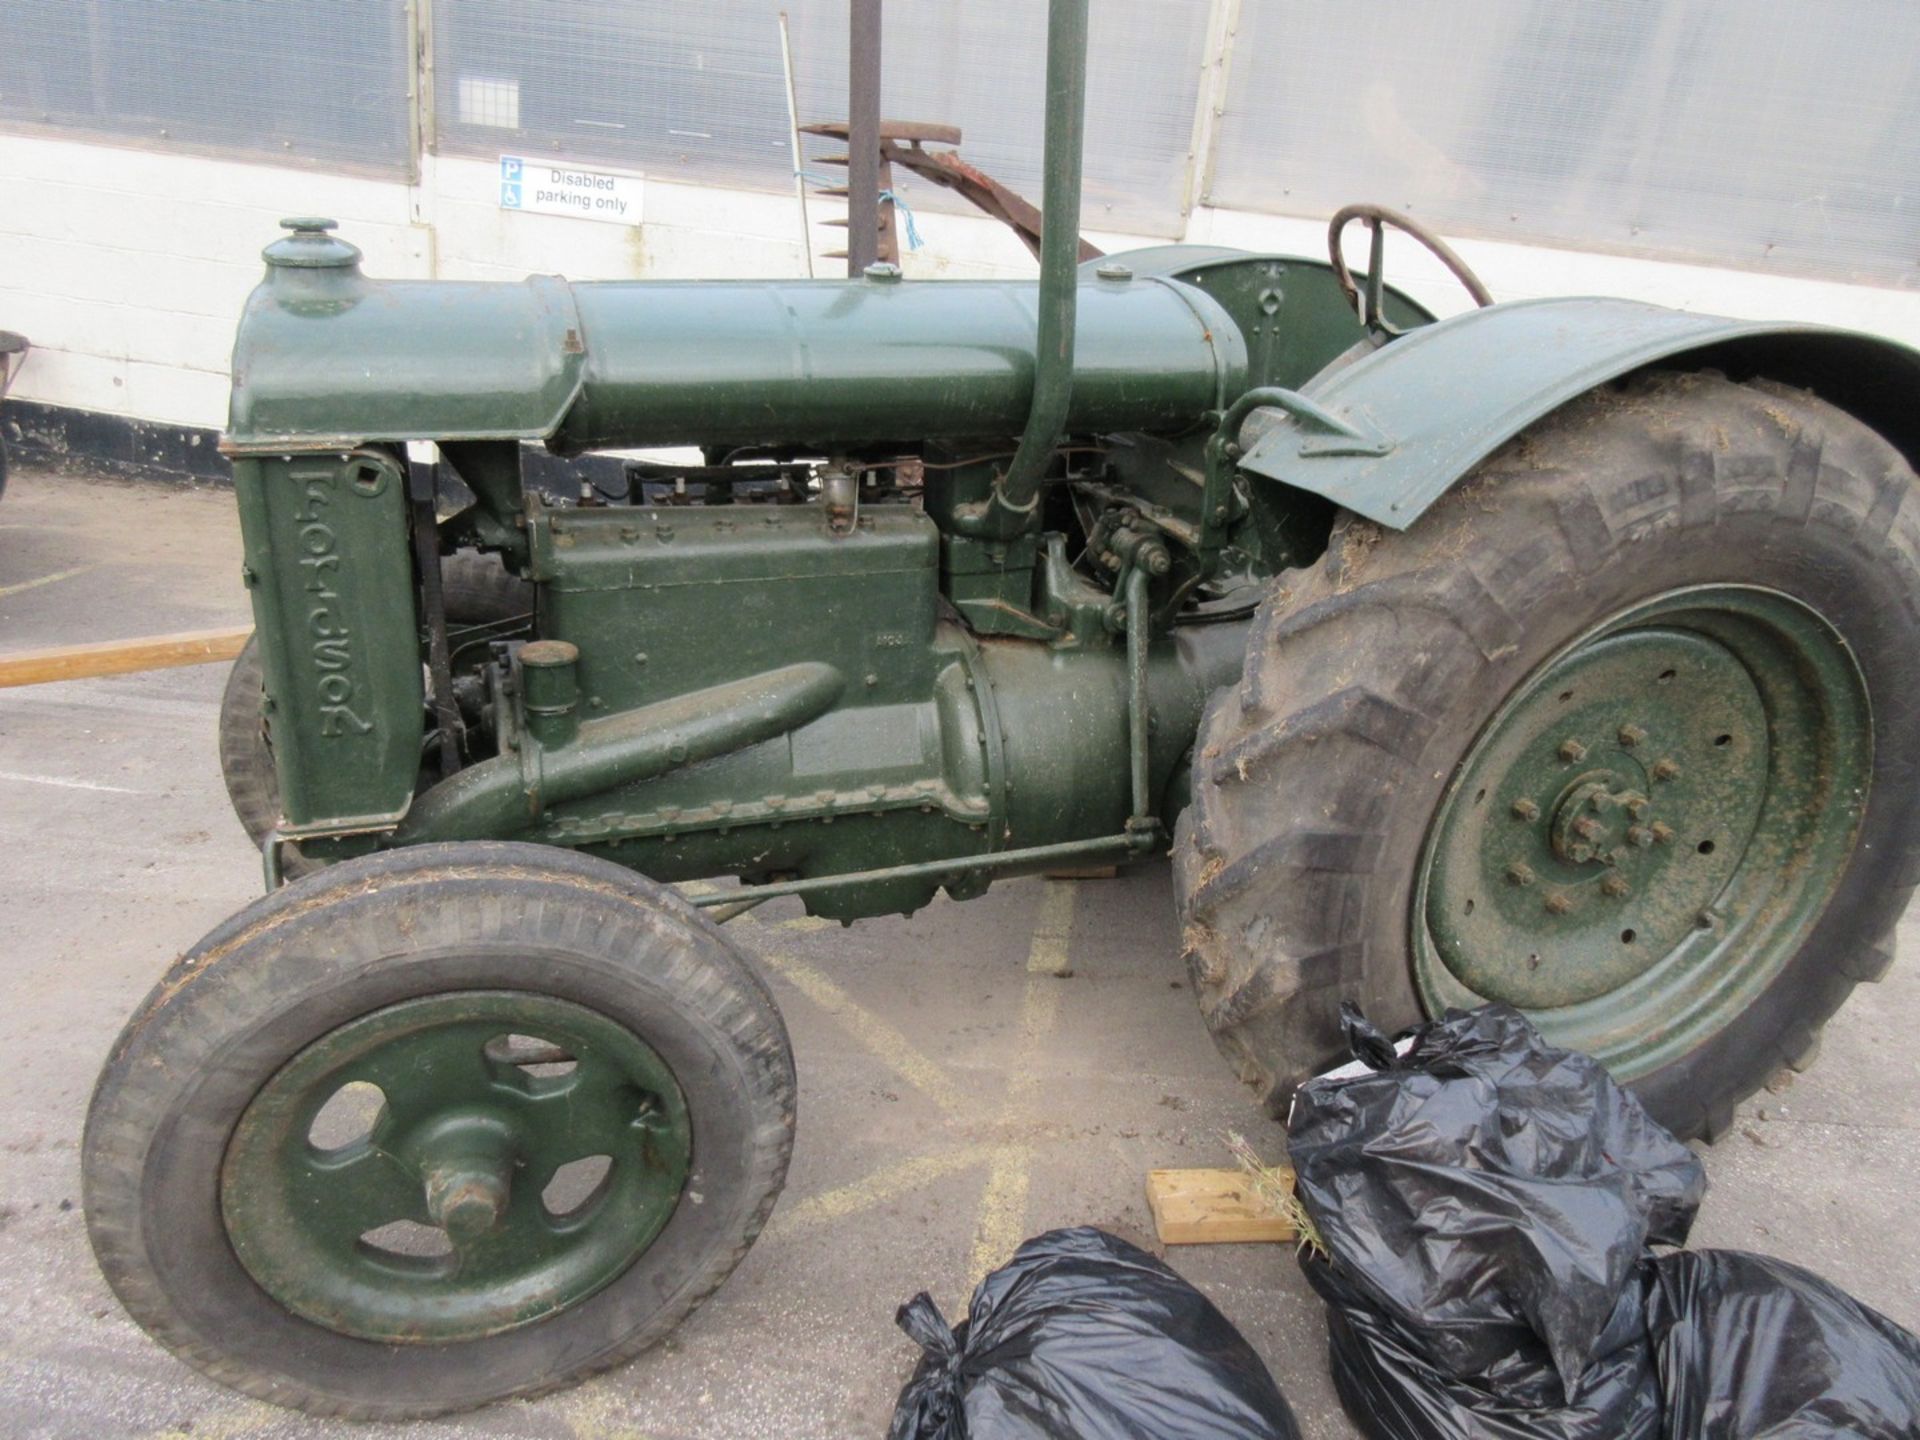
<point x="1485" y="1200"/>
<point x="1082" y="1336"/>
<point x="1750" y="1348"/>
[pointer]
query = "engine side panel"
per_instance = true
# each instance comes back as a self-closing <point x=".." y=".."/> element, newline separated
<point x="331" y="577"/>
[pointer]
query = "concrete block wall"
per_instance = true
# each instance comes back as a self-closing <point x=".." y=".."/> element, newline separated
<point x="127" y="267"/>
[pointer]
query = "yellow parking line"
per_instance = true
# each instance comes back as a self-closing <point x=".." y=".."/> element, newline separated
<point x="1002" y="1224"/>
<point x="1052" y="930"/>
<point x="6" y="591"/>
<point x="1003" y="1213"/>
<point x="251" y="1418"/>
<point x="807" y="922"/>
<point x="881" y="1037"/>
<point x="871" y="1191"/>
<point x="597" y="1411"/>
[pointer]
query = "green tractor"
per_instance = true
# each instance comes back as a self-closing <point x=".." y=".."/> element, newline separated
<point x="1559" y="654"/>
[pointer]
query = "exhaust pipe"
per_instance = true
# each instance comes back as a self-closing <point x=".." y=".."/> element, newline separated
<point x="1017" y="490"/>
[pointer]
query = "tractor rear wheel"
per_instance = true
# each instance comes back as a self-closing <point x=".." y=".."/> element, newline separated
<point x="433" y="1128"/>
<point x="1620" y="733"/>
<point x="476" y="589"/>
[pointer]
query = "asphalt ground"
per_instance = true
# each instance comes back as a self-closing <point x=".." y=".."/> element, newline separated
<point x="958" y="1090"/>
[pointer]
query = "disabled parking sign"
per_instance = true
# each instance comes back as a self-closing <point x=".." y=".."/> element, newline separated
<point x="542" y="188"/>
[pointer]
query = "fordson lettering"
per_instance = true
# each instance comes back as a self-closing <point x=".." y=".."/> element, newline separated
<point x="330" y="646"/>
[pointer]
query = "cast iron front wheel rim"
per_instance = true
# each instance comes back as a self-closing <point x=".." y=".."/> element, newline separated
<point x="521" y="1153"/>
<point x="1649" y="827"/>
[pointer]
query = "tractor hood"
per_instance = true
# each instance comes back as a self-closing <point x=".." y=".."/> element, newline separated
<point x="327" y="358"/>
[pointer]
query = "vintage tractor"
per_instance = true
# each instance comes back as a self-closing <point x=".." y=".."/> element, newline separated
<point x="1563" y="653"/>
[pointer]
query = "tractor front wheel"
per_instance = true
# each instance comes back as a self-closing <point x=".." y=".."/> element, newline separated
<point x="430" y="1129"/>
<point x="1620" y="734"/>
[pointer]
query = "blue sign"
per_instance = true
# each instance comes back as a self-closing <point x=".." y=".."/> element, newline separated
<point x="510" y="182"/>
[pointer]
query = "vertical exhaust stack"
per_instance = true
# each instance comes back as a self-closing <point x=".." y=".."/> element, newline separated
<point x="863" y="136"/>
<point x="1018" y="489"/>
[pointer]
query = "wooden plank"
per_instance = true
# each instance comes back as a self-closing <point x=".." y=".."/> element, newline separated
<point x="121" y="657"/>
<point x="1212" y="1207"/>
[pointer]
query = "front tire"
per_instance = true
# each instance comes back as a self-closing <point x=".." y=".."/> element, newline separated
<point x="500" y="1013"/>
<point x="1686" y="869"/>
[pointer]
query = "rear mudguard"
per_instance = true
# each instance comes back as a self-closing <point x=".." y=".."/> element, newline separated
<point x="1418" y="414"/>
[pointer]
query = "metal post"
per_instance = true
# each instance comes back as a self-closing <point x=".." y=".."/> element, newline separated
<point x="863" y="136"/>
<point x="1019" y="488"/>
<point x="1138" y="620"/>
<point x="793" y="134"/>
<point x="1210" y="107"/>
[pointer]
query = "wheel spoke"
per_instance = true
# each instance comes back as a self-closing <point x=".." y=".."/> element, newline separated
<point x="601" y="1112"/>
<point x="340" y="1199"/>
<point x="467" y="1144"/>
<point x="423" y="1074"/>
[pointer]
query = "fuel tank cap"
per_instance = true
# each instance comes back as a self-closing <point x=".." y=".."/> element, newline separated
<point x="308" y="245"/>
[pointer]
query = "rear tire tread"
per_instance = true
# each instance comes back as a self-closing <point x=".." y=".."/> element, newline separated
<point x="1353" y="664"/>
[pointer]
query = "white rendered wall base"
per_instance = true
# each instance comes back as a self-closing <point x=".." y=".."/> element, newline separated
<point x="127" y="267"/>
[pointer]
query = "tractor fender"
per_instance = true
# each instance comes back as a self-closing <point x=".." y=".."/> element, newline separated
<point x="1386" y="435"/>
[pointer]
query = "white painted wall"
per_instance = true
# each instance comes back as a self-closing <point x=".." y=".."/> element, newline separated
<point x="127" y="267"/>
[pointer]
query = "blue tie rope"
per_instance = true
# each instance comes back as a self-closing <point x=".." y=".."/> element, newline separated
<point x="913" y="230"/>
<point x="914" y="241"/>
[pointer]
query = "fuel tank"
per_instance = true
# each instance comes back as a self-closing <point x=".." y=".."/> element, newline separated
<point x="329" y="358"/>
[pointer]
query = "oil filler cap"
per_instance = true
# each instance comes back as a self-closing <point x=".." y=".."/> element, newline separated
<point x="308" y="245"/>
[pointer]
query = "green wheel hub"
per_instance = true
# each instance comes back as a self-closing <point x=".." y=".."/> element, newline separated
<point x="455" y="1166"/>
<point x="1648" y="828"/>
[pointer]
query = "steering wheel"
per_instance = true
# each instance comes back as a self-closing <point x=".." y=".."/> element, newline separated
<point x="1372" y="305"/>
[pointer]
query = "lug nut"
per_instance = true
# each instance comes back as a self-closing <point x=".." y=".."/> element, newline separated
<point x="1666" y="770"/>
<point x="1631" y="735"/>
<point x="1525" y="810"/>
<point x="1588" y="828"/>
<point x="1616" y="885"/>
<point x="1662" y="832"/>
<point x="1640" y="836"/>
<point x="1558" y="904"/>
<point x="1572" y="751"/>
<point x="466" y="1203"/>
<point x="1637" y="807"/>
<point x="1520" y="873"/>
<point x="1600" y="802"/>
